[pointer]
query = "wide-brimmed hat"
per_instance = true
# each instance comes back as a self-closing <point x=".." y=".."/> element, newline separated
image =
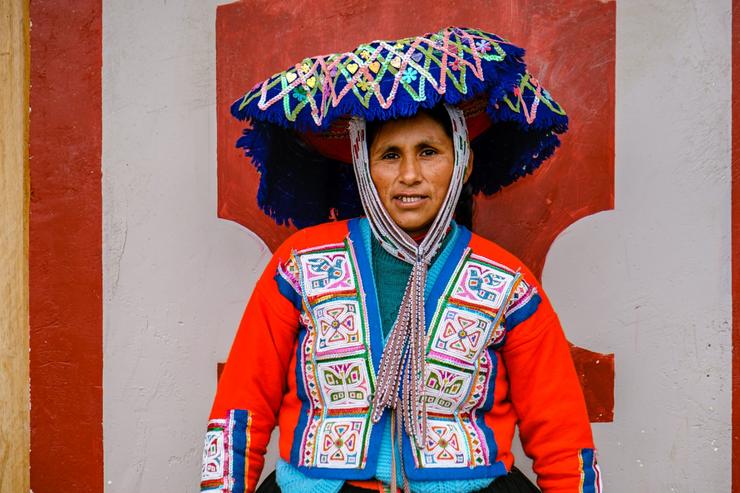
<point x="298" y="135"/>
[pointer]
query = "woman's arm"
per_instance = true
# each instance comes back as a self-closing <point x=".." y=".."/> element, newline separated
<point x="250" y="388"/>
<point x="553" y="421"/>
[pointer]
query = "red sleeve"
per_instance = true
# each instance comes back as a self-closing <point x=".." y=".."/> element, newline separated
<point x="553" y="421"/>
<point x="252" y="384"/>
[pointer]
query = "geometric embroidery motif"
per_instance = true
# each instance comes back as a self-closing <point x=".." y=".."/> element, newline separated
<point x="479" y="387"/>
<point x="446" y="445"/>
<point x="309" y="440"/>
<point x="339" y="328"/>
<point x="224" y="452"/>
<point x="345" y="383"/>
<point x="214" y="456"/>
<point x="479" y="449"/>
<point x="461" y="334"/>
<point x="445" y="388"/>
<point x="483" y="285"/>
<point x="523" y="292"/>
<point x="375" y="74"/>
<point x="327" y="273"/>
<point x="340" y="442"/>
<point x="289" y="272"/>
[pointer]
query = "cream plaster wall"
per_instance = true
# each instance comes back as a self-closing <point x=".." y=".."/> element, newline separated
<point x="176" y="278"/>
<point x="648" y="281"/>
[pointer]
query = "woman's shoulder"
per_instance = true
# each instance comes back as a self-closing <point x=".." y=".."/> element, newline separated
<point x="489" y="249"/>
<point x="325" y="234"/>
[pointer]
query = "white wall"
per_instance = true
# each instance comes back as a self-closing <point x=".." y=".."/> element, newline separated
<point x="648" y="281"/>
<point x="176" y="278"/>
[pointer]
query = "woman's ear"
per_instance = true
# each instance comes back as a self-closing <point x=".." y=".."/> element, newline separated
<point x="468" y="167"/>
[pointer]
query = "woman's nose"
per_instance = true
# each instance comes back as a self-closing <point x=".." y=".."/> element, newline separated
<point x="409" y="172"/>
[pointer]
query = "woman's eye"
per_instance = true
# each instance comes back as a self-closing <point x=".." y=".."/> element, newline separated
<point x="389" y="155"/>
<point x="428" y="152"/>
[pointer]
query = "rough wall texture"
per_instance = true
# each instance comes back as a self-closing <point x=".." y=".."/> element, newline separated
<point x="649" y="281"/>
<point x="176" y="277"/>
<point x="66" y="247"/>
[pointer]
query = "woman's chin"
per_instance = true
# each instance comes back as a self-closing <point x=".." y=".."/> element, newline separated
<point x="413" y="226"/>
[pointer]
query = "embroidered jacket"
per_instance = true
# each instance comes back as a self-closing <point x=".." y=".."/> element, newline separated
<point x="309" y="345"/>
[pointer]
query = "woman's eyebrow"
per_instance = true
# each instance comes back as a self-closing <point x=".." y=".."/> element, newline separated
<point x="430" y="141"/>
<point x="385" y="148"/>
<point x="425" y="142"/>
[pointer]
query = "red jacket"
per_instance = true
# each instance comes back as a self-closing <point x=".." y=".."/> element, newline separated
<point x="309" y="345"/>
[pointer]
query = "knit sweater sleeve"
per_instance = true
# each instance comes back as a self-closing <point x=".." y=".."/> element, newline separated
<point x="252" y="383"/>
<point x="544" y="388"/>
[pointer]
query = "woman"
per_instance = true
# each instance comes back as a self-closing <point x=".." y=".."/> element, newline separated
<point x="398" y="348"/>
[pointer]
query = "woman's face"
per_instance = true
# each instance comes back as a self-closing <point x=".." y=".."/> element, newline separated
<point x="411" y="163"/>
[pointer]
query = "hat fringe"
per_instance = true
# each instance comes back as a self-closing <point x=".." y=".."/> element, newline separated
<point x="299" y="186"/>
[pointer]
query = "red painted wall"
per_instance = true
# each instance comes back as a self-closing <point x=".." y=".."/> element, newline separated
<point x="571" y="49"/>
<point x="65" y="247"/>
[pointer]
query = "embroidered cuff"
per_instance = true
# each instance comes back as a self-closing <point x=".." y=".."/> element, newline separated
<point x="225" y="462"/>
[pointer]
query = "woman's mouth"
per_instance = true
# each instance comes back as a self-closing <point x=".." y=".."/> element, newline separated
<point x="409" y="201"/>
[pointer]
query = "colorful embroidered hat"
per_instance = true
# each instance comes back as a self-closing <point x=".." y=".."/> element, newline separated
<point x="298" y="138"/>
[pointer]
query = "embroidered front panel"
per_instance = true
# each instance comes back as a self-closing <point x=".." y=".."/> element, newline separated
<point x="445" y="387"/>
<point x="483" y="285"/>
<point x="447" y="444"/>
<point x="339" y="328"/>
<point x="345" y="384"/>
<point x="337" y="367"/>
<point x="467" y="321"/>
<point x="342" y="441"/>
<point x="327" y="273"/>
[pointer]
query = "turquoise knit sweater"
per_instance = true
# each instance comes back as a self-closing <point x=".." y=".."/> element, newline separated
<point x="395" y="274"/>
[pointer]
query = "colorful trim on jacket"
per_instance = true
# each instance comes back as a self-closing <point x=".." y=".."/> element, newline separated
<point x="590" y="472"/>
<point x="225" y="464"/>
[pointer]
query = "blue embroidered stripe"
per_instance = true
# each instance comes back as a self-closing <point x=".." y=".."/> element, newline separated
<point x="288" y="291"/>
<point x="239" y="441"/>
<point x="523" y="313"/>
<point x="295" y="450"/>
<point x="589" y="474"/>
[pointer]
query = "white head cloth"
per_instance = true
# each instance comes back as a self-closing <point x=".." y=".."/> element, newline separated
<point x="402" y="366"/>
